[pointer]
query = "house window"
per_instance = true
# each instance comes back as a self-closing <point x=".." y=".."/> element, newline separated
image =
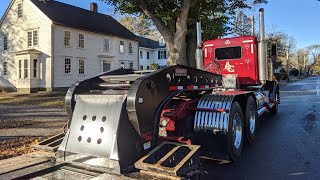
<point x="121" y="46"/>
<point x="106" y="66"/>
<point x="162" y="54"/>
<point x="33" y="38"/>
<point x="122" y="65"/>
<point x="130" y="47"/>
<point x="141" y="54"/>
<point x="5" y="43"/>
<point x="19" y="10"/>
<point x="81" y="40"/>
<point x="148" y="55"/>
<point x="81" y="66"/>
<point x="67" y="65"/>
<point x="67" y="38"/>
<point x="25" y="73"/>
<point x="106" y="45"/>
<point x="29" y="39"/>
<point x="35" y="68"/>
<point x="141" y="67"/>
<point x="5" y="68"/>
<point x="148" y="67"/>
<point x="20" y="69"/>
<point x="131" y="65"/>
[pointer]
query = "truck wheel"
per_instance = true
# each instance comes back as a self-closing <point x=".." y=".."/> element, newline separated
<point x="274" y="109"/>
<point x="235" y="129"/>
<point x="251" y="119"/>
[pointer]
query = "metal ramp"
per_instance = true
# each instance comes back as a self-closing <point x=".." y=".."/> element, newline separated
<point x="171" y="160"/>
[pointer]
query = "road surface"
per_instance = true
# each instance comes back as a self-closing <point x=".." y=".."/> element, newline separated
<point x="287" y="144"/>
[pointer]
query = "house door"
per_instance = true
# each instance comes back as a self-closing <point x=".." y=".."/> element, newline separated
<point x="106" y="66"/>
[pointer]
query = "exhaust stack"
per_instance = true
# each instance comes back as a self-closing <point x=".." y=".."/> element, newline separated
<point x="262" y="49"/>
<point x="199" y="57"/>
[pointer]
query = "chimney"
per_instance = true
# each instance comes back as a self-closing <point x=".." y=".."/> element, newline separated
<point x="94" y="7"/>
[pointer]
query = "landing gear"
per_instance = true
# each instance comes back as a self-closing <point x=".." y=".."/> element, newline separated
<point x="251" y="120"/>
<point x="236" y="132"/>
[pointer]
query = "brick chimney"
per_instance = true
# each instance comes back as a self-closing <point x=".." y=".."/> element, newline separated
<point x="94" y="7"/>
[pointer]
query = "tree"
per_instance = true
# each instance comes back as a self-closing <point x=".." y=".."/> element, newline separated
<point x="314" y="54"/>
<point x="175" y="19"/>
<point x="139" y="25"/>
<point x="282" y="40"/>
<point x="242" y="25"/>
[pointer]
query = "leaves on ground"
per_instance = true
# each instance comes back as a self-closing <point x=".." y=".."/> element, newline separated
<point x="16" y="147"/>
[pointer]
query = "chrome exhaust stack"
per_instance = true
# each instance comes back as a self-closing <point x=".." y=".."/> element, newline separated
<point x="199" y="55"/>
<point x="262" y="49"/>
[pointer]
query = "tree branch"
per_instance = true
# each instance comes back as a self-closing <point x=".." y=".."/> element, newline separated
<point x="163" y="29"/>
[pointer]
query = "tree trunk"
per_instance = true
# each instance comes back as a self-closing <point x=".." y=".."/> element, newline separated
<point x="191" y="49"/>
<point x="192" y="35"/>
<point x="175" y="40"/>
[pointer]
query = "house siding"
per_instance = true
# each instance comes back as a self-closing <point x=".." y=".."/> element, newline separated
<point x="53" y="51"/>
<point x="93" y="53"/>
<point x="153" y="57"/>
<point x="16" y="30"/>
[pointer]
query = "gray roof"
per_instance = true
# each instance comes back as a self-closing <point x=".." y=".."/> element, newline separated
<point x="149" y="43"/>
<point x="75" y="17"/>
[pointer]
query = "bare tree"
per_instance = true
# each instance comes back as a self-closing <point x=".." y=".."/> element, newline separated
<point x="314" y="54"/>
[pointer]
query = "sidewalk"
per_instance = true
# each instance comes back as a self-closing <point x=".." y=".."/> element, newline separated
<point x="292" y="80"/>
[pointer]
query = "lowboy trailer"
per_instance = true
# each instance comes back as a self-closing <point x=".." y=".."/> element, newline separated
<point x="136" y="124"/>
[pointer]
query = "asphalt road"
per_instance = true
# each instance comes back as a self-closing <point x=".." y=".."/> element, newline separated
<point x="287" y="144"/>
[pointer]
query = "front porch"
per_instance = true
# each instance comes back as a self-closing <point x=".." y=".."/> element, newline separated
<point x="28" y="71"/>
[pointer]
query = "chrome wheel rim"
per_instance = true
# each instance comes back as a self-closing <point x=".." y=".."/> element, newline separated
<point x="252" y="119"/>
<point x="237" y="130"/>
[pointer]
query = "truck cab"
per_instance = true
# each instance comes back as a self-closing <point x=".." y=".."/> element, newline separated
<point x="235" y="56"/>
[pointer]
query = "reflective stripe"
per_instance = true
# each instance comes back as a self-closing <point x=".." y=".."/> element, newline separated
<point x="175" y="88"/>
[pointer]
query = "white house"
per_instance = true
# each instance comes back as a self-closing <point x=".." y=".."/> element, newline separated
<point x="50" y="45"/>
<point x="152" y="52"/>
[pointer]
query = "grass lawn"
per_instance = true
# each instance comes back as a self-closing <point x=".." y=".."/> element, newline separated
<point x="53" y="99"/>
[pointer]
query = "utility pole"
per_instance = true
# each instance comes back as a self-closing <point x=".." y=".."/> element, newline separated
<point x="288" y="71"/>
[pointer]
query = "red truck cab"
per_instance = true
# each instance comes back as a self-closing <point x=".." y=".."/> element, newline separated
<point x="235" y="56"/>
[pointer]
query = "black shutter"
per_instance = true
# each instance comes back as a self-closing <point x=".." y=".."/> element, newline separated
<point x="158" y="54"/>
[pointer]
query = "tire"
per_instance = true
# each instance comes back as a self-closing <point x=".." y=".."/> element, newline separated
<point x="251" y="120"/>
<point x="235" y="136"/>
<point x="274" y="109"/>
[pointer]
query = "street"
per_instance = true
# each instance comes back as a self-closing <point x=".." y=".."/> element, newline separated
<point x="287" y="144"/>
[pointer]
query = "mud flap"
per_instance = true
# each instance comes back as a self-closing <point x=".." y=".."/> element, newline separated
<point x="100" y="128"/>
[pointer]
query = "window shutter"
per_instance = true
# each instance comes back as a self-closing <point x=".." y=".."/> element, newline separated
<point x="158" y="54"/>
<point x="1" y="42"/>
<point x="165" y="54"/>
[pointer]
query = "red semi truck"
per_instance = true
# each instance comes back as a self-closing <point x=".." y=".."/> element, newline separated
<point x="160" y="123"/>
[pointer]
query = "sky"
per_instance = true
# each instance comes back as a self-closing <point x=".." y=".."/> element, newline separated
<point x="297" y="18"/>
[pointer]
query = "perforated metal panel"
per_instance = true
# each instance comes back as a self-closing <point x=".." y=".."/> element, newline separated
<point x="94" y="125"/>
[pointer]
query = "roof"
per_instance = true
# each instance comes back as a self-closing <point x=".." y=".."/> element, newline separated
<point x="149" y="43"/>
<point x="75" y="17"/>
<point x="27" y="51"/>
